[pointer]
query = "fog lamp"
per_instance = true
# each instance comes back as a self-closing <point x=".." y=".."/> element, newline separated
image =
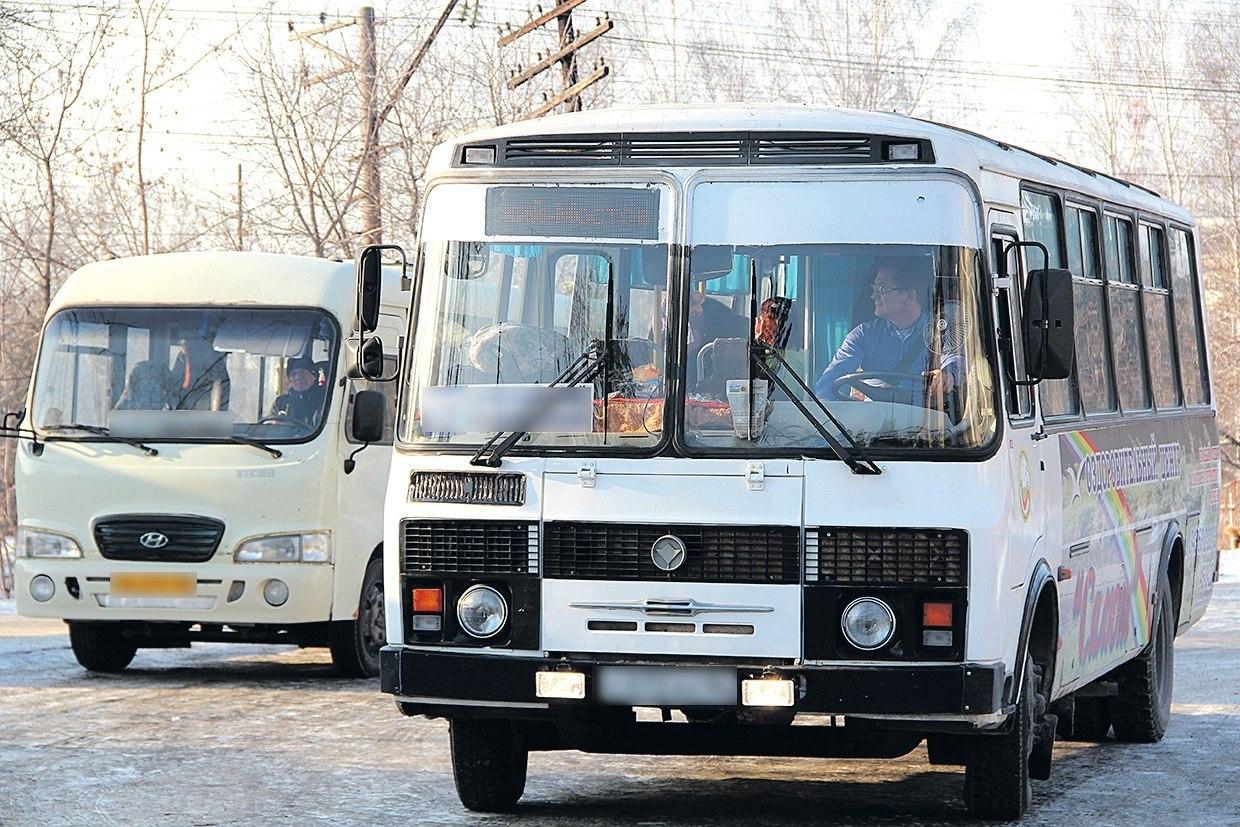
<point x="567" y="685"/>
<point x="42" y="588"/>
<point x="768" y="692"/>
<point x="868" y="623"/>
<point x="275" y="592"/>
<point x="482" y="611"/>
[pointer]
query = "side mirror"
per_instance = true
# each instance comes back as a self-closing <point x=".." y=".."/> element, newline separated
<point x="369" y="415"/>
<point x="369" y="287"/>
<point x="368" y="360"/>
<point x="1049" y="322"/>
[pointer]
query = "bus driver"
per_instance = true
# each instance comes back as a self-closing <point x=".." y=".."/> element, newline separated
<point x="894" y="342"/>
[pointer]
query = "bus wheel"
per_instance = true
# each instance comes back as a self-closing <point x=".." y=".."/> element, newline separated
<point x="489" y="760"/>
<point x="996" y="775"/>
<point x="1142" y="709"/>
<point x="101" y="647"/>
<point x="355" y="644"/>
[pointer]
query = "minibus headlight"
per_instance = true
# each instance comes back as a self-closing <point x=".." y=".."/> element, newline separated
<point x="33" y="543"/>
<point x="482" y="611"/>
<point x="286" y="548"/>
<point x="868" y="623"/>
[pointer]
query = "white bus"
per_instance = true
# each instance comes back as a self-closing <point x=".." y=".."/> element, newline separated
<point x="715" y="419"/>
<point x="187" y="470"/>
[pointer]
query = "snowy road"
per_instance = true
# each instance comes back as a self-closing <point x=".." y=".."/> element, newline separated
<point x="225" y="734"/>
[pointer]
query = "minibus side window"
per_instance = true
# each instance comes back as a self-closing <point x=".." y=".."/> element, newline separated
<point x="1123" y="299"/>
<point x="1007" y="263"/>
<point x="1156" y="305"/>
<point x="1043" y="223"/>
<point x="1093" y="362"/>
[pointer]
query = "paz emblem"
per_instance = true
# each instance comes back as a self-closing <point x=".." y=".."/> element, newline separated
<point x="668" y="552"/>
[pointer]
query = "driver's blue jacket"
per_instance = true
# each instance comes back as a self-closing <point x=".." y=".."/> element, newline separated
<point x="878" y="345"/>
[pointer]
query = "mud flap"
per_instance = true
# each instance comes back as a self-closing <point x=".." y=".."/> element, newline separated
<point x="1043" y="746"/>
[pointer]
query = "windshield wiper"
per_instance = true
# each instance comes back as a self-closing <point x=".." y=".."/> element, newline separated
<point x="104" y="432"/>
<point x="584" y="368"/>
<point x="276" y="453"/>
<point x="851" y="455"/>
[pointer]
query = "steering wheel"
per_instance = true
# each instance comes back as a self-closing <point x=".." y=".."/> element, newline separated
<point x="280" y="419"/>
<point x="878" y="394"/>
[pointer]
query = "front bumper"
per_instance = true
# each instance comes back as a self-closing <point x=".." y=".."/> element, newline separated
<point x="446" y="683"/>
<point x="309" y="584"/>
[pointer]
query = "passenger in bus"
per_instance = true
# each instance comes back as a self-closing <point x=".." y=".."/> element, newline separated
<point x="711" y="322"/>
<point x="146" y="389"/>
<point x="894" y="342"/>
<point x="302" y="402"/>
<point x="200" y="374"/>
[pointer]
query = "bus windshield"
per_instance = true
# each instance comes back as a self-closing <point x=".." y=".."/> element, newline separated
<point x="185" y="373"/>
<point x="886" y="336"/>
<point x="501" y="312"/>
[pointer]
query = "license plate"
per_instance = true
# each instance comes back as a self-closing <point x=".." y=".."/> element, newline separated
<point x="665" y="685"/>
<point x="154" y="584"/>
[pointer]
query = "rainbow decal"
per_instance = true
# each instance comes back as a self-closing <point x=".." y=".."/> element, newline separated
<point x="1119" y="512"/>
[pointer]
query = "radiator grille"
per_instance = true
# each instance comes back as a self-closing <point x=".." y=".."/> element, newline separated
<point x="469" y="547"/>
<point x="466" y="487"/>
<point x="188" y="539"/>
<point x="716" y="554"/>
<point x="886" y="556"/>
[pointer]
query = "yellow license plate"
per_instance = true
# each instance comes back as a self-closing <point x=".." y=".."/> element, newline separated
<point x="154" y="584"/>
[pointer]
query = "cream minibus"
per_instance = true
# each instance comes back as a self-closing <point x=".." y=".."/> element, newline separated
<point x="189" y="468"/>
<point x="716" y="420"/>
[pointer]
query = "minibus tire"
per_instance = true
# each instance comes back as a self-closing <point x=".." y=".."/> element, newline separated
<point x="101" y="647"/>
<point x="996" y="774"/>
<point x="1141" y="710"/>
<point x="353" y="642"/>
<point x="489" y="762"/>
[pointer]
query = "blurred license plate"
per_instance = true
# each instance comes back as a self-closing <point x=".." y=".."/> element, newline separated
<point x="154" y="584"/>
<point x="665" y="685"/>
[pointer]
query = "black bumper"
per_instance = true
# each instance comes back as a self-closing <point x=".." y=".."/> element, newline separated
<point x="428" y="682"/>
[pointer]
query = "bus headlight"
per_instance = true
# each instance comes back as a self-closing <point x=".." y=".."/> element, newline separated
<point x="482" y="611"/>
<point x="34" y="543"/>
<point x="286" y="548"/>
<point x="868" y="623"/>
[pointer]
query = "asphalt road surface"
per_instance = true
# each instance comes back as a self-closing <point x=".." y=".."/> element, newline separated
<point x="229" y="734"/>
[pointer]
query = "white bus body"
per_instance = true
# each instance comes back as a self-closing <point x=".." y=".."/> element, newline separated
<point x="1001" y="577"/>
<point x="134" y="534"/>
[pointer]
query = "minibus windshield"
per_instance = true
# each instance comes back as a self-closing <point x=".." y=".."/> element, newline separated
<point x="179" y="373"/>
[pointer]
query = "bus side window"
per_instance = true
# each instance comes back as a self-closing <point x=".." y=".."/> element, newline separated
<point x="1093" y="362"/>
<point x="388" y="389"/>
<point x="1156" y="306"/>
<point x="1043" y="222"/>
<point x="1186" y="303"/>
<point x="1123" y="299"/>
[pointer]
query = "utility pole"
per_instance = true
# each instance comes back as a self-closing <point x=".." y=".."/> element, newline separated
<point x="372" y="220"/>
<point x="372" y="116"/>
<point x="240" y="245"/>
<point x="566" y="55"/>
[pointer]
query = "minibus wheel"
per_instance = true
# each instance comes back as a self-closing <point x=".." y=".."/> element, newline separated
<point x="101" y="647"/>
<point x="1141" y="710"/>
<point x="355" y="644"/>
<point x="489" y="761"/>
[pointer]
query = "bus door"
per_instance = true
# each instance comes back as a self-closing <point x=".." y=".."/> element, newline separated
<point x="1029" y="462"/>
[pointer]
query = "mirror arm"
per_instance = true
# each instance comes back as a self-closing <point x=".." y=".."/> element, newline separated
<point x="349" y="462"/>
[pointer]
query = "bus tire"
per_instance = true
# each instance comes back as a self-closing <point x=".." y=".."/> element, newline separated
<point x="1141" y="710"/>
<point x="101" y="647"/>
<point x="996" y="774"/>
<point x="489" y="762"/>
<point x="355" y="644"/>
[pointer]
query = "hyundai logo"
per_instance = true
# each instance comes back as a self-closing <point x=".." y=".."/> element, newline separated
<point x="153" y="539"/>
<point x="668" y="552"/>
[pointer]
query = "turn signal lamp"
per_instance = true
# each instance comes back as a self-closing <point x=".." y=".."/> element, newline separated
<point x="428" y="600"/>
<point x="936" y="615"/>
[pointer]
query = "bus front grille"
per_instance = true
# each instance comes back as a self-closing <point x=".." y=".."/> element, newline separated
<point x="469" y="546"/>
<point x="714" y="553"/>
<point x="164" y="538"/>
<point x="886" y="556"/>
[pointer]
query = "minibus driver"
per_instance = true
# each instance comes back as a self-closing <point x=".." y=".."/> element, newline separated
<point x="302" y="402"/>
